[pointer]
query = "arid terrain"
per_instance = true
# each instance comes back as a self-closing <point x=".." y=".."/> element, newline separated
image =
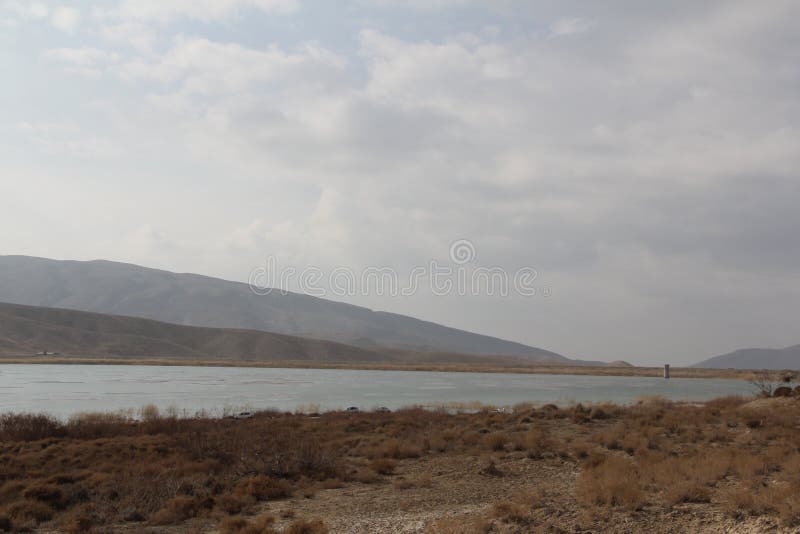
<point x="731" y="465"/>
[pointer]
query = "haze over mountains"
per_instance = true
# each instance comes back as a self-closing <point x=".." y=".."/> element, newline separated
<point x="269" y="327"/>
<point x="788" y="358"/>
<point x="193" y="300"/>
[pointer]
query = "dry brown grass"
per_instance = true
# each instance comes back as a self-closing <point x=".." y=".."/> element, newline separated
<point x="99" y="470"/>
<point x="303" y="526"/>
<point x="264" y="524"/>
<point x="610" y="481"/>
<point x="496" y="441"/>
<point x="383" y="466"/>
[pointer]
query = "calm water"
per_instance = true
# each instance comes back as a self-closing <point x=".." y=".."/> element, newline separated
<point x="67" y="389"/>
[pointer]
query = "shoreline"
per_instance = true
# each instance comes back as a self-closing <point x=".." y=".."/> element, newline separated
<point x="652" y="372"/>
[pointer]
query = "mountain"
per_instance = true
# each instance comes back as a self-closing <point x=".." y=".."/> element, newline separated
<point x="28" y="330"/>
<point x="788" y="358"/>
<point x="194" y="300"/>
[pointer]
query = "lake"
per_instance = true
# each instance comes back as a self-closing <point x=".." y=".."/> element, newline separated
<point x="67" y="389"/>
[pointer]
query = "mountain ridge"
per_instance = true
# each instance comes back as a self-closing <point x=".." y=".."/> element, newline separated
<point x="32" y="331"/>
<point x="755" y="358"/>
<point x="108" y="287"/>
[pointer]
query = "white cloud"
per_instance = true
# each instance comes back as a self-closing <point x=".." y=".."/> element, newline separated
<point x="137" y="35"/>
<point x="66" y="139"/>
<point x="204" y="10"/>
<point x="415" y="4"/>
<point x="206" y="67"/>
<point x="85" y="61"/>
<point x="570" y="26"/>
<point x="32" y="9"/>
<point x="65" y="19"/>
<point x="84" y="57"/>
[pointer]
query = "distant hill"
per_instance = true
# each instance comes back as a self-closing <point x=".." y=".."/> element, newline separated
<point x="788" y="358"/>
<point x="194" y="300"/>
<point x="29" y="330"/>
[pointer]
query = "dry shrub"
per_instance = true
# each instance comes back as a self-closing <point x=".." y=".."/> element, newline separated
<point x="29" y="511"/>
<point x="149" y="412"/>
<point x="511" y="512"/>
<point x="234" y="503"/>
<point x="471" y="438"/>
<point x="579" y="414"/>
<point x="303" y="526"/>
<point x="604" y="411"/>
<point x="611" y="438"/>
<point x="632" y="443"/>
<point x="176" y="510"/>
<point x="491" y="470"/>
<point x="687" y="491"/>
<point x="29" y="427"/>
<point x="263" y="524"/>
<point x="653" y="401"/>
<point x="79" y="520"/>
<point x="739" y="502"/>
<point x="331" y="483"/>
<point x="264" y="488"/>
<point x="751" y="466"/>
<point x="789" y="508"/>
<point x="454" y="525"/>
<point x="365" y="476"/>
<point x="382" y="466"/>
<point x="580" y="449"/>
<point x="403" y="484"/>
<point x="46" y="493"/>
<point x="141" y="492"/>
<point x="688" y="478"/>
<point x="537" y="443"/>
<point x="438" y="442"/>
<point x="495" y="441"/>
<point x="282" y="454"/>
<point x="726" y="403"/>
<point x="612" y="481"/>
<point x="394" y="448"/>
<point x="98" y="425"/>
<point x="233" y="525"/>
<point x="783" y="500"/>
<point x="11" y="490"/>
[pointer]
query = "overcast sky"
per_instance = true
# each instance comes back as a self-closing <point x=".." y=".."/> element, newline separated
<point x="643" y="157"/>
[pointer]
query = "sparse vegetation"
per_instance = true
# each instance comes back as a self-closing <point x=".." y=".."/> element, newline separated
<point x="653" y="458"/>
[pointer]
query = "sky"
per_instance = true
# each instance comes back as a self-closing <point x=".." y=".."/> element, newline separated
<point x="643" y="158"/>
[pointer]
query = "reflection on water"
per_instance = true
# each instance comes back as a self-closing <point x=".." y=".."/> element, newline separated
<point x="66" y="389"/>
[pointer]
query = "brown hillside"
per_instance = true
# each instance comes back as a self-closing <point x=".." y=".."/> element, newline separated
<point x="27" y="330"/>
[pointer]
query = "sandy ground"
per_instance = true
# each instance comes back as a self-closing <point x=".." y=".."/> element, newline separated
<point x="462" y="491"/>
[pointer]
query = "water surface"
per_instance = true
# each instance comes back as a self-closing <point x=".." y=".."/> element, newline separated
<point x="67" y="389"/>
